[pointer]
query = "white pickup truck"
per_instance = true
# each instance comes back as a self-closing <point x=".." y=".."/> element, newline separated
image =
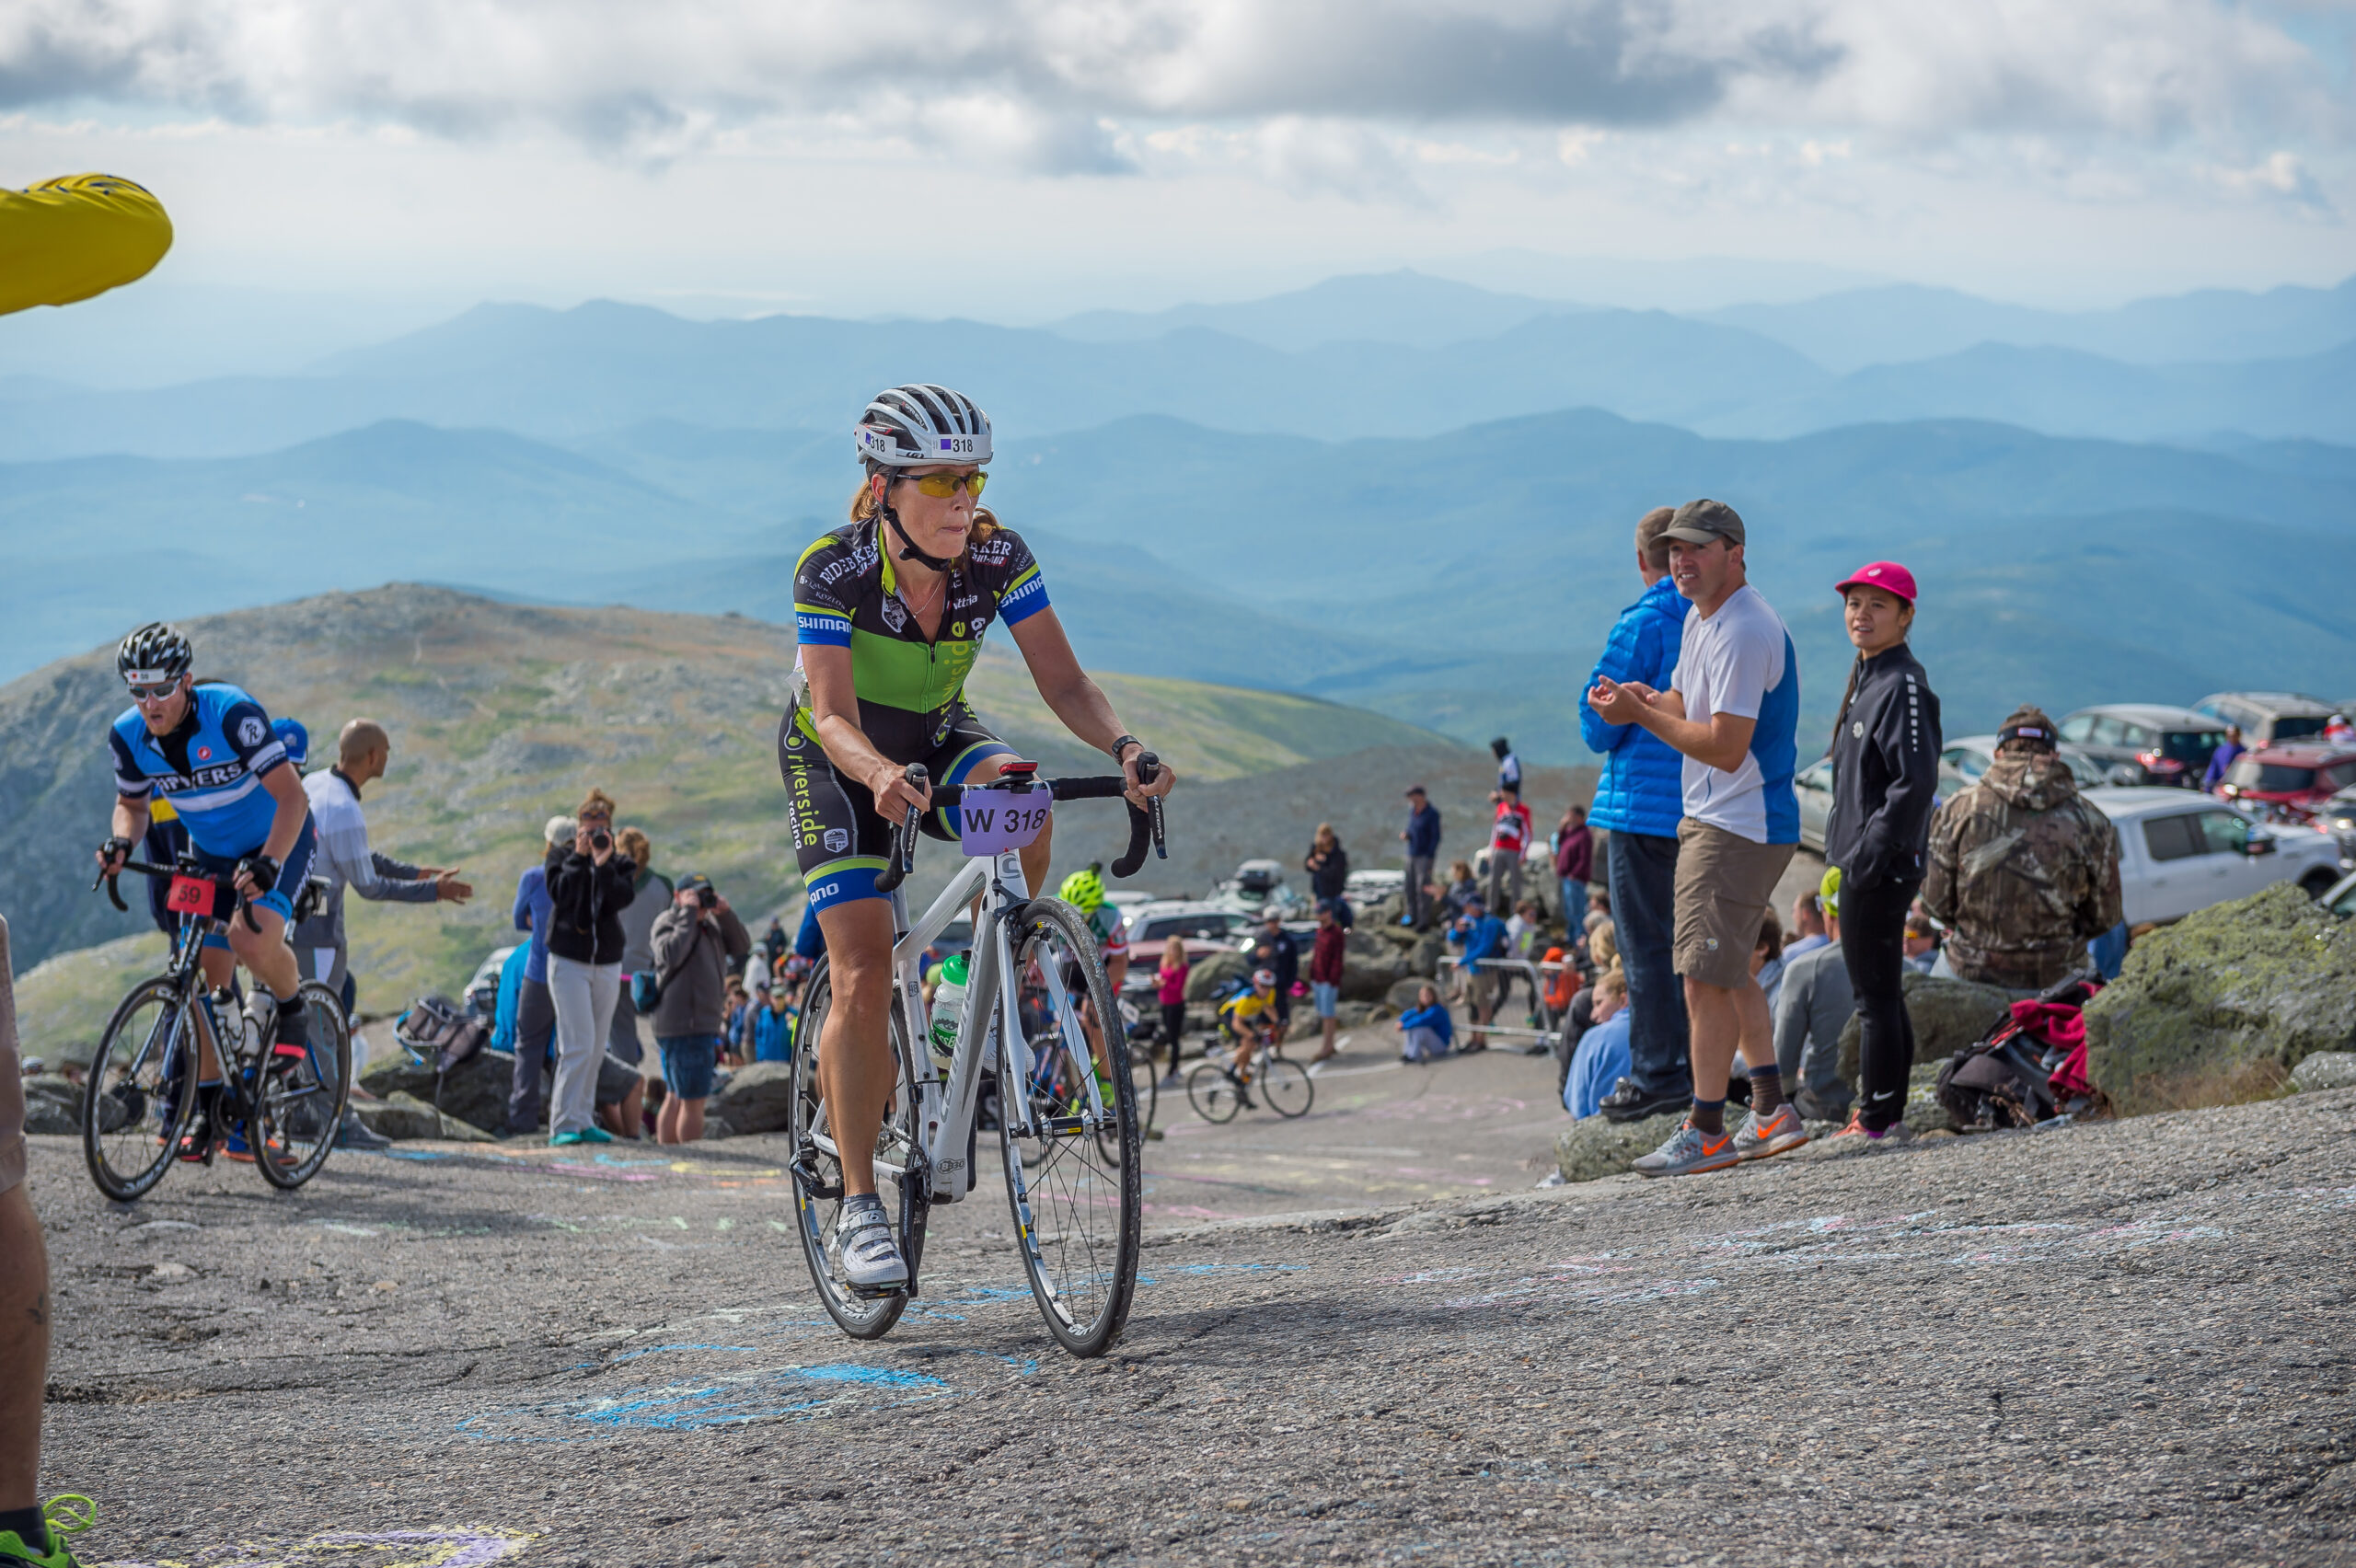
<point x="2180" y="851"/>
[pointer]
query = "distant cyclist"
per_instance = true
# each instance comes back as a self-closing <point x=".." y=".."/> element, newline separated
<point x="889" y="611"/>
<point x="1084" y="891"/>
<point x="1250" y="1018"/>
<point x="210" y="750"/>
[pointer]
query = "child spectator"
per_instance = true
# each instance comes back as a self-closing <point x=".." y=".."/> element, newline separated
<point x="1602" y="1059"/>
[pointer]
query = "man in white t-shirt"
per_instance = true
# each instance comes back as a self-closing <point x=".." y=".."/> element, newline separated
<point x="1733" y="712"/>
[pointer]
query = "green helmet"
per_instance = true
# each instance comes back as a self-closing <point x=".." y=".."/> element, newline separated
<point x="1083" y="891"/>
<point x="1828" y="892"/>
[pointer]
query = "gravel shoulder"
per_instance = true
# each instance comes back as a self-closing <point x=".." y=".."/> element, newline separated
<point x="2118" y="1342"/>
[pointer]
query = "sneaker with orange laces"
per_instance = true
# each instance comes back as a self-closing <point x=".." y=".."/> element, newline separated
<point x="1689" y="1152"/>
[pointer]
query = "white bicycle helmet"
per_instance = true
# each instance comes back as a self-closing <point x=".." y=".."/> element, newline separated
<point x="906" y="426"/>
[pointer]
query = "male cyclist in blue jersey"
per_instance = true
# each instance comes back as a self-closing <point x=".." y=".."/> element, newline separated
<point x="890" y="610"/>
<point x="212" y="752"/>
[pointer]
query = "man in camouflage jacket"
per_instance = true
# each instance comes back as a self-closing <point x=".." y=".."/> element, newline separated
<point x="2023" y="871"/>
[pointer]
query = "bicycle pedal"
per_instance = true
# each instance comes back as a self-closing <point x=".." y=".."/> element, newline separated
<point x="885" y="1293"/>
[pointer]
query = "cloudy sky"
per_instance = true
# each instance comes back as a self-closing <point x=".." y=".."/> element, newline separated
<point x="1015" y="159"/>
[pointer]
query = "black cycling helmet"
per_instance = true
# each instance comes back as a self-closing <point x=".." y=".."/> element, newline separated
<point x="909" y="426"/>
<point x="155" y="654"/>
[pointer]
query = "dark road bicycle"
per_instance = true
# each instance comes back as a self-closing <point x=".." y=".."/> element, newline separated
<point x="141" y="1096"/>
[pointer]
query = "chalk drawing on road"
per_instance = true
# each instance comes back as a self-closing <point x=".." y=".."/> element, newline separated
<point x="469" y="1547"/>
<point x="693" y="1403"/>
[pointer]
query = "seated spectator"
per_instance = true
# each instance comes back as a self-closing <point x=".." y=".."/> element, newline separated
<point x="1460" y="888"/>
<point x="1430" y="1030"/>
<point x="770" y="1025"/>
<point x="1922" y="941"/>
<point x="1808" y="925"/>
<point x="1602" y="1059"/>
<point x="1767" y="960"/>
<point x="1814" y="1006"/>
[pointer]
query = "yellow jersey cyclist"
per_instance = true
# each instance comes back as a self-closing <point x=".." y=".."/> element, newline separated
<point x="211" y="750"/>
<point x="889" y="613"/>
<point x="1248" y="1017"/>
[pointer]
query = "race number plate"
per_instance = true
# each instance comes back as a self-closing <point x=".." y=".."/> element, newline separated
<point x="992" y="821"/>
<point x="190" y="895"/>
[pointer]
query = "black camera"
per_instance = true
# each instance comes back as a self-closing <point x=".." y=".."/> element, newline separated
<point x="708" y="897"/>
<point x="600" y="840"/>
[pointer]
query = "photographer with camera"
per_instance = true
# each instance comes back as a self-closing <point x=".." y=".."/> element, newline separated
<point x="698" y="943"/>
<point x="588" y="888"/>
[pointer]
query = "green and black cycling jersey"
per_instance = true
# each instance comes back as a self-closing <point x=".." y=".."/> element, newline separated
<point x="846" y="595"/>
<point x="911" y="692"/>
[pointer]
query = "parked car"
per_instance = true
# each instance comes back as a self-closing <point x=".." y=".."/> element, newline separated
<point x="1813" y="785"/>
<point x="2340" y="899"/>
<point x="1964" y="761"/>
<point x="1373" y="885"/>
<point x="2165" y="746"/>
<point x="1255" y="886"/>
<point x="2268" y="718"/>
<point x="1206" y="928"/>
<point x="2293" y="781"/>
<point x="2337" y="816"/>
<point x="2179" y="853"/>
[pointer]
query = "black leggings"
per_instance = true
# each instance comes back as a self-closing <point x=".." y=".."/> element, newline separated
<point x="1873" y="945"/>
<point x="1174" y="1028"/>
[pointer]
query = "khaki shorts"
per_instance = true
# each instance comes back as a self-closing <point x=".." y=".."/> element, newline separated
<point x="12" y="1084"/>
<point x="1480" y="988"/>
<point x="1724" y="883"/>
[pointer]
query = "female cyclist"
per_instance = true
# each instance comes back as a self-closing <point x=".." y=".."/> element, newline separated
<point x="889" y="611"/>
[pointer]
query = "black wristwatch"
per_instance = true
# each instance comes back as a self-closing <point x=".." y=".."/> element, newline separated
<point x="1120" y="741"/>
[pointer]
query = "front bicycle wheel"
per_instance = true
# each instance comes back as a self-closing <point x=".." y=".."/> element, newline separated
<point x="302" y="1110"/>
<point x="1286" y="1085"/>
<point x="817" y="1170"/>
<point x="1215" y="1096"/>
<point x="1078" y="1213"/>
<point x="141" y="1094"/>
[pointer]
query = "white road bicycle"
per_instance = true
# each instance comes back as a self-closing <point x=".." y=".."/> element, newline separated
<point x="1067" y="1140"/>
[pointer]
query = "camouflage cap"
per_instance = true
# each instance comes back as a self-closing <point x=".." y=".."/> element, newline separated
<point x="2029" y="723"/>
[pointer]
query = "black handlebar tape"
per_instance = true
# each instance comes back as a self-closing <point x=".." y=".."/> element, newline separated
<point x="902" y="853"/>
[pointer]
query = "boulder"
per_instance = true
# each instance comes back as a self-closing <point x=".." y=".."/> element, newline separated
<point x="1424" y="958"/>
<point x="53" y="1104"/>
<point x="403" y="1115"/>
<point x="475" y="1093"/>
<point x="1371" y="979"/>
<point x="1402" y="995"/>
<point x="1595" y="1147"/>
<point x="757" y="1098"/>
<point x="1947" y="1015"/>
<point x="1214" y="972"/>
<point x="1384" y="913"/>
<point x="2224" y="1004"/>
<point x="2326" y="1069"/>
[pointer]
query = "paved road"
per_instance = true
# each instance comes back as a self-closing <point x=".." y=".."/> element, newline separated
<point x="2129" y="1342"/>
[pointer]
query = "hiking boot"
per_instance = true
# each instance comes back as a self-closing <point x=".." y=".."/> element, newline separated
<point x="868" y="1255"/>
<point x="1891" y="1137"/>
<point x="1626" y="1103"/>
<point x="1758" y="1139"/>
<point x="60" y="1521"/>
<point x="1689" y="1152"/>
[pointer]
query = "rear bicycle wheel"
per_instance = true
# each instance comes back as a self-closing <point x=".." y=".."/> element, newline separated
<point x="1143" y="1091"/>
<point x="1285" y="1084"/>
<point x="302" y="1110"/>
<point x="141" y="1094"/>
<point x="1215" y="1096"/>
<point x="817" y="1170"/>
<point x="1078" y="1213"/>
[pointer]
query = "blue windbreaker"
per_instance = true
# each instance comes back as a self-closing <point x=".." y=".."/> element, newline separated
<point x="1643" y="786"/>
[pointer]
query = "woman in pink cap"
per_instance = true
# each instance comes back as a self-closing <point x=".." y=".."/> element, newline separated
<point x="1885" y="775"/>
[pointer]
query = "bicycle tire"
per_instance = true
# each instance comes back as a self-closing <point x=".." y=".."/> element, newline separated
<point x="816" y="1213"/>
<point x="1212" y="1094"/>
<point x="162" y="1082"/>
<point x="1077" y="1223"/>
<point x="1286" y="1085"/>
<point x="305" y="1132"/>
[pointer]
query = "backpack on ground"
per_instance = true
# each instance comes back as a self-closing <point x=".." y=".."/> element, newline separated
<point x="2030" y="1067"/>
<point x="437" y="1029"/>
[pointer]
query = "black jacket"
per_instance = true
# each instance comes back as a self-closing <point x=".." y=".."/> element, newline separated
<point x="588" y="927"/>
<point x="1885" y="774"/>
<point x="1331" y="880"/>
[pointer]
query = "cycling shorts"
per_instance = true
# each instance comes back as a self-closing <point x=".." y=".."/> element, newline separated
<point x="291" y="874"/>
<point x="840" y="842"/>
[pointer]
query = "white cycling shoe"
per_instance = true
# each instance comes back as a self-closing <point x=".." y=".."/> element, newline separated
<point x="868" y="1255"/>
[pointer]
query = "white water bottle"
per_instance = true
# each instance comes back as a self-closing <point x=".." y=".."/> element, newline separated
<point x="948" y="1007"/>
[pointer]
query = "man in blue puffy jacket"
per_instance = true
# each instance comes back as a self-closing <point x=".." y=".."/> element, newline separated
<point x="1639" y="800"/>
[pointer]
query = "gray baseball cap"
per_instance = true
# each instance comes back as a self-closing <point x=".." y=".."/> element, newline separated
<point x="1699" y="521"/>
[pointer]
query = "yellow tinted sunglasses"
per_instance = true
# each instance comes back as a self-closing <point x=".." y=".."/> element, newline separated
<point x="940" y="487"/>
